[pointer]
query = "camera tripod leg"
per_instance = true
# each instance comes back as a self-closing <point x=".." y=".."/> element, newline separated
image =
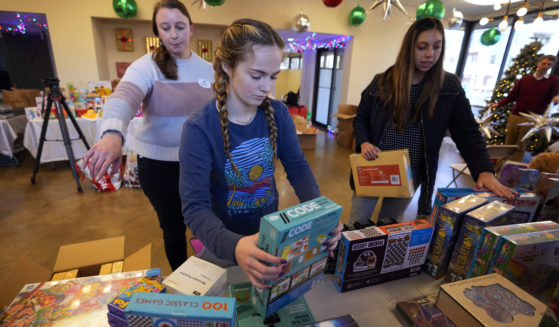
<point x="46" y="117"/>
<point x="67" y="143"/>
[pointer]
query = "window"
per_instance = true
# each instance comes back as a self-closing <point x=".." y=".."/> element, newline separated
<point x="292" y="62"/>
<point x="493" y="58"/>
<point x="452" y="52"/>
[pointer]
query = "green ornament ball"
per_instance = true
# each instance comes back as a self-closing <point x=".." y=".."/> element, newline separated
<point x="214" y="3"/>
<point x="125" y="8"/>
<point x="490" y="37"/>
<point x="357" y="16"/>
<point x="430" y="8"/>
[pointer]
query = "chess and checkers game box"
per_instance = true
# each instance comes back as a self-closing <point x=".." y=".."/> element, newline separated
<point x="378" y="254"/>
<point x="389" y="175"/>
<point x="297" y="235"/>
<point x="489" y="300"/>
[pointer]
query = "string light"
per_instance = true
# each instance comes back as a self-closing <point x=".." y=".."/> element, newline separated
<point x="310" y="44"/>
<point x="523" y="9"/>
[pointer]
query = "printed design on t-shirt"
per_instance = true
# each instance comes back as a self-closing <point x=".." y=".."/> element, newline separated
<point x="253" y="189"/>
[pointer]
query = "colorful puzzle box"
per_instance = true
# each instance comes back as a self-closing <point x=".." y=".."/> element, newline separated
<point x="529" y="260"/>
<point x="295" y="234"/>
<point x="377" y="254"/>
<point x="489" y="238"/>
<point x="492" y="214"/>
<point x="159" y="309"/>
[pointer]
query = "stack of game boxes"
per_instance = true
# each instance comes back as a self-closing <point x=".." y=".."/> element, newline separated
<point x="548" y="189"/>
<point x="116" y="315"/>
<point x="378" y="254"/>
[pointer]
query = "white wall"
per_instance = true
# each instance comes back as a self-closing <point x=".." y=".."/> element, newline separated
<point x="73" y="37"/>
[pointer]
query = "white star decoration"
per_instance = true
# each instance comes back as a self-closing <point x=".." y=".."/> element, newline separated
<point x="200" y="3"/>
<point x="540" y="123"/>
<point x="387" y="6"/>
<point x="485" y="124"/>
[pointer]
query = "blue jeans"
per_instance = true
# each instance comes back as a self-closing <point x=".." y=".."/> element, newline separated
<point x="362" y="207"/>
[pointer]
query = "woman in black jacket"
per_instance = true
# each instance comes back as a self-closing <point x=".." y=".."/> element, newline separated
<point x="411" y="105"/>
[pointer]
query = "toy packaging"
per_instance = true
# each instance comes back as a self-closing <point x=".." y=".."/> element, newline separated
<point x="156" y="309"/>
<point x="489" y="238"/>
<point x="492" y="214"/>
<point x="343" y="321"/>
<point x="74" y="302"/>
<point x="429" y="316"/>
<point x="197" y="277"/>
<point x="447" y="225"/>
<point x="529" y="178"/>
<point x="116" y="316"/>
<point x="295" y="234"/>
<point x="296" y="313"/>
<point x="548" y="188"/>
<point x="409" y="308"/>
<point x="489" y="300"/>
<point x="378" y="254"/>
<point x="525" y="205"/>
<point x="529" y="260"/>
<point x="511" y="172"/>
<point x="389" y="175"/>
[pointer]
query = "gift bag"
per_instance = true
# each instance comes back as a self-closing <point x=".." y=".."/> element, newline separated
<point x="106" y="183"/>
<point x="131" y="178"/>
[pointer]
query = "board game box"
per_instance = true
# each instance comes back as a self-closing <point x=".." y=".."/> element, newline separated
<point x="511" y="172"/>
<point x="164" y="309"/>
<point x="74" y="302"/>
<point x="295" y="234"/>
<point x="489" y="300"/>
<point x="429" y="316"/>
<point x="548" y="188"/>
<point x="492" y="214"/>
<point x="529" y="260"/>
<point x="490" y="236"/>
<point x="296" y="313"/>
<point x="529" y="179"/>
<point x="409" y="308"/>
<point x="447" y="225"/>
<point x="389" y="175"/>
<point x="377" y="254"/>
<point x="525" y="205"/>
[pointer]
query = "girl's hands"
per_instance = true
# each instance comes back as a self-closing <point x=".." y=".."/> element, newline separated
<point x="252" y="260"/>
<point x="103" y="154"/>
<point x="332" y="242"/>
<point x="487" y="180"/>
<point x="369" y="151"/>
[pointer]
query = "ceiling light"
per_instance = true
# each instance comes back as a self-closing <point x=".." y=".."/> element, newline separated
<point x="519" y="24"/>
<point x="497" y="6"/>
<point x="538" y="20"/>
<point x="483" y="21"/>
<point x="522" y="10"/>
<point x="290" y="39"/>
<point x="504" y="24"/>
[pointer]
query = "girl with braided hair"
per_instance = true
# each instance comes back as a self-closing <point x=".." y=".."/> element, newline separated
<point x="228" y="149"/>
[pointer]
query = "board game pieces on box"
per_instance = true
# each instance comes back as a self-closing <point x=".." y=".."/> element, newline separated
<point x="492" y="214"/>
<point x="378" y="254"/>
<point x="297" y="235"/>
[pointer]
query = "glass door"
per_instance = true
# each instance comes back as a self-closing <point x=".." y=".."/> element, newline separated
<point x="327" y="85"/>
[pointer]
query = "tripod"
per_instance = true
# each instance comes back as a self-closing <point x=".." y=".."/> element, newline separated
<point x="55" y="97"/>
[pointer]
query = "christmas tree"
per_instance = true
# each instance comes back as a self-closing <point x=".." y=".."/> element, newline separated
<point x="524" y="63"/>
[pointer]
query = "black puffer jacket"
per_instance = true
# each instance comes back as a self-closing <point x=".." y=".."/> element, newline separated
<point x="453" y="113"/>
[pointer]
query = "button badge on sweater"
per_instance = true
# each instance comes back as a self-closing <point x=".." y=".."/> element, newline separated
<point x="204" y="83"/>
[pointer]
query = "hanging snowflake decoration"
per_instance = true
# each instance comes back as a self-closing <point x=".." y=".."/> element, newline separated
<point x="544" y="123"/>
<point x="485" y="124"/>
<point x="387" y="7"/>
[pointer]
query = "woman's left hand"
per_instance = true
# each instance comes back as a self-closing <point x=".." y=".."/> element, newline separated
<point x="487" y="180"/>
<point x="332" y="242"/>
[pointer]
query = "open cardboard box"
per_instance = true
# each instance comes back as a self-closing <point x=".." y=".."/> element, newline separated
<point x="345" y="115"/>
<point x="87" y="257"/>
<point x="305" y="132"/>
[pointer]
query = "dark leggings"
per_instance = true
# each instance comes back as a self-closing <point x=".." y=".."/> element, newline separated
<point x="160" y="182"/>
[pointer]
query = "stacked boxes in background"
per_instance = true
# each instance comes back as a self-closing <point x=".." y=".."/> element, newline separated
<point x="529" y="260"/>
<point x="548" y="189"/>
<point x="490" y="236"/>
<point x="116" y="315"/>
<point x="525" y="205"/>
<point x="295" y="234"/>
<point x="378" y="254"/>
<point x="492" y="214"/>
<point x="447" y="224"/>
<point x="155" y="309"/>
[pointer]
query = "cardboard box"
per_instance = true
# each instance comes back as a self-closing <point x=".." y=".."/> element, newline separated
<point x="197" y="277"/>
<point x="525" y="206"/>
<point x="409" y="308"/>
<point x="73" y="302"/>
<point x="87" y="257"/>
<point x="377" y="254"/>
<point x="489" y="300"/>
<point x="118" y="304"/>
<point x="447" y="224"/>
<point x="529" y="260"/>
<point x="345" y="136"/>
<point x="429" y="316"/>
<point x="489" y="238"/>
<point x="157" y="309"/>
<point x="306" y="133"/>
<point x="389" y="175"/>
<point x="295" y="234"/>
<point x="307" y="141"/>
<point x="492" y="214"/>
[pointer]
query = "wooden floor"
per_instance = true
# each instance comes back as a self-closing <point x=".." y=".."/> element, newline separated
<point x="36" y="219"/>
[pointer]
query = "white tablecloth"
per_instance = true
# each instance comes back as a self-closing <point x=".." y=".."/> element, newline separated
<point x="7" y="138"/>
<point x="53" y="147"/>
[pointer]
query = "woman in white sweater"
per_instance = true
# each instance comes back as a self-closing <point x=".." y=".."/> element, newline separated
<point x="172" y="83"/>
